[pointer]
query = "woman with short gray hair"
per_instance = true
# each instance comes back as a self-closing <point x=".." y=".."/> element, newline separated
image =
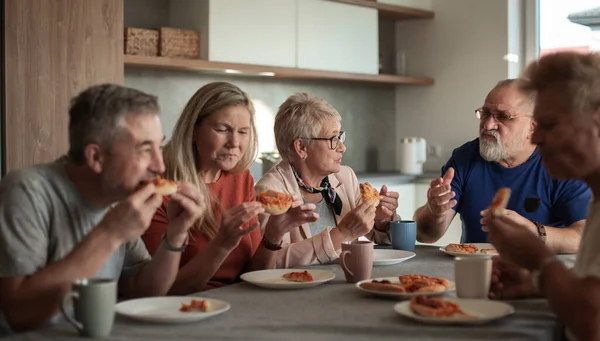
<point x="310" y="140"/>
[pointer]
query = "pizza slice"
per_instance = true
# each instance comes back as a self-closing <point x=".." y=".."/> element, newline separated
<point x="489" y="251"/>
<point x="195" y="305"/>
<point x="383" y="285"/>
<point x="275" y="203"/>
<point x="299" y="276"/>
<point x="461" y="248"/>
<point x="435" y="307"/>
<point x="369" y="192"/>
<point x="162" y="186"/>
<point x="500" y="201"/>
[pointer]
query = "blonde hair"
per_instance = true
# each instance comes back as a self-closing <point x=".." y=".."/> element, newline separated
<point x="577" y="73"/>
<point x="300" y="116"/>
<point x="180" y="155"/>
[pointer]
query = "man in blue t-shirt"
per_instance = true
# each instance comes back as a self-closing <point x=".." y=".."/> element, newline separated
<point x="503" y="156"/>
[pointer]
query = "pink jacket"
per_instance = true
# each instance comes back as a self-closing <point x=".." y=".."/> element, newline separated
<point x="299" y="246"/>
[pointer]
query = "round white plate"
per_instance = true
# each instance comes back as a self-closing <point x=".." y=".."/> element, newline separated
<point x="271" y="279"/>
<point x="480" y="246"/>
<point x="389" y="257"/>
<point x="166" y="309"/>
<point x="401" y="295"/>
<point x="483" y="311"/>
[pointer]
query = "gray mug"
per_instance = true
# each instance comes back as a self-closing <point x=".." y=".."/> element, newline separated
<point x="94" y="306"/>
<point x="403" y="234"/>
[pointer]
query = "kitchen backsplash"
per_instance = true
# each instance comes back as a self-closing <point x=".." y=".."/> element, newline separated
<point x="368" y="111"/>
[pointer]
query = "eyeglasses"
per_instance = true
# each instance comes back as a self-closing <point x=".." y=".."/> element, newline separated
<point x="333" y="141"/>
<point x="501" y="116"/>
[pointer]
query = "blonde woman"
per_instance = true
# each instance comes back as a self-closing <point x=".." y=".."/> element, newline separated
<point x="310" y="139"/>
<point x="213" y="145"/>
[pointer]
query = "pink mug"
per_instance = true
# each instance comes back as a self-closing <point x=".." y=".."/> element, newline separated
<point x="357" y="260"/>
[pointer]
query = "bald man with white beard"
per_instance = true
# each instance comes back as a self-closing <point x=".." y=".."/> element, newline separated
<point x="504" y="156"/>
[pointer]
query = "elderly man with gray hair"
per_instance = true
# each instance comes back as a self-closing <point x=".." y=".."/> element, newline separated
<point x="504" y="156"/>
<point x="310" y="139"/>
<point x="82" y="215"/>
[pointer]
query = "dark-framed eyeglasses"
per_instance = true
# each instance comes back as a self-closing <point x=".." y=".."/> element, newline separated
<point x="501" y="116"/>
<point x="333" y="141"/>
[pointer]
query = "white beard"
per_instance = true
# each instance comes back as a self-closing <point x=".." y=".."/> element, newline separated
<point x="490" y="150"/>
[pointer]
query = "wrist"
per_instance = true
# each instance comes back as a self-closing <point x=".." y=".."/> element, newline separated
<point x="107" y="237"/>
<point x="337" y="238"/>
<point x="272" y="233"/>
<point x="222" y="244"/>
<point x="176" y="239"/>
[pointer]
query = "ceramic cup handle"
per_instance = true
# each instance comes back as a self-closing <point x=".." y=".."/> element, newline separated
<point x="63" y="310"/>
<point x="343" y="261"/>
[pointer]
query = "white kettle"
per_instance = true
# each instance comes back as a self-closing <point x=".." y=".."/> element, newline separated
<point x="412" y="154"/>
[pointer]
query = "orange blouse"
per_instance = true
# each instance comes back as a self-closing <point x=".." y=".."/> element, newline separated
<point x="231" y="190"/>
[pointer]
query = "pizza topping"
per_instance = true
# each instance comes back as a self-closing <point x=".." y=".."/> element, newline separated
<point x="303" y="276"/>
<point x="368" y="192"/>
<point x="195" y="305"/>
<point x="435" y="307"/>
<point x="275" y="202"/>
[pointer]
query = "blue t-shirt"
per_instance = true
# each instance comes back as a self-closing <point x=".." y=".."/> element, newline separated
<point x="558" y="203"/>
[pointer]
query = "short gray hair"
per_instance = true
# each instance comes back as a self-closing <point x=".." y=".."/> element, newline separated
<point x="577" y="73"/>
<point x="515" y="82"/>
<point x="97" y="112"/>
<point x="300" y="116"/>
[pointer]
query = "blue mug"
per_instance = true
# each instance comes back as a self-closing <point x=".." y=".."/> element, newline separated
<point x="403" y="234"/>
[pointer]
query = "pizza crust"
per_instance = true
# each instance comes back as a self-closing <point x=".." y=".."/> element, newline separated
<point x="461" y="248"/>
<point x="500" y="201"/>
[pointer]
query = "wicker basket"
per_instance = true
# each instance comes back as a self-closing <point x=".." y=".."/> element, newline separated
<point x="141" y="41"/>
<point x="178" y="43"/>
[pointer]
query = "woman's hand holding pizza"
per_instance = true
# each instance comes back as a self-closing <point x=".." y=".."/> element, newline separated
<point x="299" y="213"/>
<point x="357" y="222"/>
<point x="185" y="208"/>
<point x="232" y="230"/>
<point x="386" y="210"/>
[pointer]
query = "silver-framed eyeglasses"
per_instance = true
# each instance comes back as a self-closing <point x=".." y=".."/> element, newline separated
<point x="503" y="117"/>
<point x="333" y="141"/>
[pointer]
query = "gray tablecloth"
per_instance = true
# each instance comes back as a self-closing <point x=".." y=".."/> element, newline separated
<point x="332" y="311"/>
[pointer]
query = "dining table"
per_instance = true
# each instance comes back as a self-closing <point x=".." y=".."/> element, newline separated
<point x="335" y="310"/>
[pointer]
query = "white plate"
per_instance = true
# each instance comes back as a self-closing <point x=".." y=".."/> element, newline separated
<point x="480" y="246"/>
<point x="401" y="295"/>
<point x="166" y="309"/>
<point x="482" y="310"/>
<point x="389" y="257"/>
<point x="272" y="279"/>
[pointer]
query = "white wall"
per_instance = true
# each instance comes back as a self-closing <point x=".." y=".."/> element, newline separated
<point x="463" y="49"/>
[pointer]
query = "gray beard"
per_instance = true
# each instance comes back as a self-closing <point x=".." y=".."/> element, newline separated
<point x="492" y="151"/>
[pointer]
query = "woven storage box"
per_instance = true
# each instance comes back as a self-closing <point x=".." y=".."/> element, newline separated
<point x="178" y="43"/>
<point x="141" y="41"/>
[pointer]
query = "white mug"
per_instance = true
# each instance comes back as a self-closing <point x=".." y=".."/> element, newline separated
<point x="473" y="276"/>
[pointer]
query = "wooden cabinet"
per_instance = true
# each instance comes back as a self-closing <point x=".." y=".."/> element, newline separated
<point x="259" y="32"/>
<point x="53" y="50"/>
<point x="337" y="37"/>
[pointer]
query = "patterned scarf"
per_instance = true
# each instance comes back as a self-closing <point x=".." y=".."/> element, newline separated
<point x="325" y="189"/>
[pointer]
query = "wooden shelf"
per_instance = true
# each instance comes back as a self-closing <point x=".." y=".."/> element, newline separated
<point x="391" y="12"/>
<point x="265" y="71"/>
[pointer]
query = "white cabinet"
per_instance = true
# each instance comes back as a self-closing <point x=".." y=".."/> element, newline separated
<point x="406" y="200"/>
<point x="337" y="37"/>
<point x="261" y="32"/>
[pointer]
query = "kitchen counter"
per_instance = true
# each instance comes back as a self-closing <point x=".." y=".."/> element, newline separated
<point x="391" y="178"/>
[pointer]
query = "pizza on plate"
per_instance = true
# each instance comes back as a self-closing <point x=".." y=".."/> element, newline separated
<point x="461" y="248"/>
<point x="162" y="186"/>
<point x="299" y="276"/>
<point x="275" y="203"/>
<point x="435" y="307"/>
<point x="195" y="305"/>
<point x="409" y="284"/>
<point x="500" y="201"/>
<point x="369" y="192"/>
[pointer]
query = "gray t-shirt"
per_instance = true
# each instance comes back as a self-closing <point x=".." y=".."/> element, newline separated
<point x="326" y="218"/>
<point x="43" y="217"/>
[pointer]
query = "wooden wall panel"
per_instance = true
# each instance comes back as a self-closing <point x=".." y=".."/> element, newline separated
<point x="53" y="50"/>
